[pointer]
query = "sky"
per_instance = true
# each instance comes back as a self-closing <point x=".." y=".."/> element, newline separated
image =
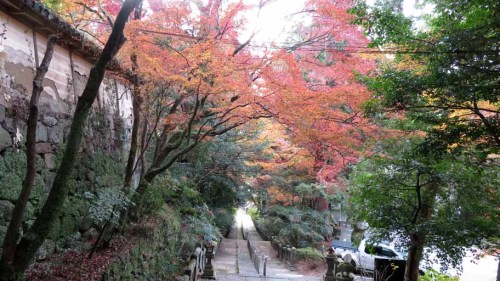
<point x="273" y="21"/>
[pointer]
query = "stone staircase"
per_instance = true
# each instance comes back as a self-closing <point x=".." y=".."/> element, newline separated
<point x="233" y="262"/>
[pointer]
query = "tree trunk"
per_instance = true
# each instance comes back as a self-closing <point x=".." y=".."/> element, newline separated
<point x="12" y="234"/>
<point x="415" y="252"/>
<point x="136" y="107"/>
<point x="414" y="257"/>
<point x="31" y="242"/>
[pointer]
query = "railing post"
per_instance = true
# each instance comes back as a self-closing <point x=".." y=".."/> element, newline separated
<point x="280" y="254"/>
<point x="293" y="256"/>
<point x="288" y="247"/>
<point x="265" y="266"/>
<point x="258" y="262"/>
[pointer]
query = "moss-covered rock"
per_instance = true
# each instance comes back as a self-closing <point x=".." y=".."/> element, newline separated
<point x="11" y="187"/>
<point x="14" y="162"/>
<point x="155" y="257"/>
<point x="74" y="206"/>
<point x="6" y="208"/>
<point x="3" y="169"/>
<point x="56" y="230"/>
<point x="29" y="212"/>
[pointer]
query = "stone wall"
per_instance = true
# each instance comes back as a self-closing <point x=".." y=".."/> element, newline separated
<point x="106" y="136"/>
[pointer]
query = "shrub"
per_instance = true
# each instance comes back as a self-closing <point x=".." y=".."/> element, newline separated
<point x="300" y="235"/>
<point x="298" y="227"/>
<point x="106" y="206"/>
<point x="433" y="275"/>
<point x="253" y="212"/>
<point x="309" y="254"/>
<point x="224" y="219"/>
<point x="271" y="226"/>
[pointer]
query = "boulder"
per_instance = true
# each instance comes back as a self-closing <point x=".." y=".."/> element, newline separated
<point x="49" y="121"/>
<point x="89" y="234"/>
<point x="85" y="224"/>
<point x="2" y="113"/>
<point x="55" y="134"/>
<point x="6" y="208"/>
<point x="49" y="159"/>
<point x="41" y="133"/>
<point x="43" y="148"/>
<point x="3" y="230"/>
<point x="5" y="139"/>
<point x="46" y="250"/>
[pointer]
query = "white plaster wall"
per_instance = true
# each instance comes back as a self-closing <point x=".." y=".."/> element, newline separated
<point x="19" y="41"/>
<point x="59" y="92"/>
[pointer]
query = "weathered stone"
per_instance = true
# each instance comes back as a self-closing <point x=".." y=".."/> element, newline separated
<point x="74" y="241"/>
<point x="27" y="225"/>
<point x="85" y="224"/>
<point x="5" y="139"/>
<point x="89" y="234"/>
<point x="29" y="211"/>
<point x="46" y="250"/>
<point x="55" y="135"/>
<point x="48" y="179"/>
<point x="91" y="176"/>
<point x="43" y="148"/>
<point x="41" y="133"/>
<point x="49" y="159"/>
<point x="40" y="163"/>
<point x="8" y="125"/>
<point x="2" y="113"/>
<point x="49" y="121"/>
<point x="6" y="208"/>
<point x="12" y="185"/>
<point x="3" y="230"/>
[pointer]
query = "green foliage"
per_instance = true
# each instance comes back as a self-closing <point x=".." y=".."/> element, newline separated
<point x="182" y="193"/>
<point x="223" y="219"/>
<point x="106" y="206"/>
<point x="309" y="254"/>
<point x="253" y="212"/>
<point x="11" y="187"/>
<point x="14" y="162"/>
<point x="382" y="24"/>
<point x="384" y="193"/>
<point x="432" y="275"/>
<point x="162" y="245"/>
<point x="55" y="5"/>
<point x="451" y="88"/>
<point x="159" y="191"/>
<point x="298" y="227"/>
<point x="12" y="172"/>
<point x="303" y="235"/>
<point x="218" y="168"/>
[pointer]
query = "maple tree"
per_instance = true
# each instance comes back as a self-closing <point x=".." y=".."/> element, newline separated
<point x="200" y="85"/>
<point x="193" y="80"/>
<point x="315" y="91"/>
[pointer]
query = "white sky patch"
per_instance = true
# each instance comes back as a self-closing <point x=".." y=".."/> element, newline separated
<point x="274" y="22"/>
